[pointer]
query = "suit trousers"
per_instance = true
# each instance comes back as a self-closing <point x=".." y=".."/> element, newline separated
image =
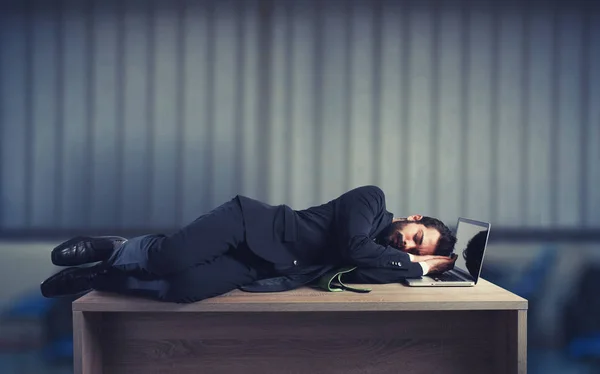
<point x="206" y="258"/>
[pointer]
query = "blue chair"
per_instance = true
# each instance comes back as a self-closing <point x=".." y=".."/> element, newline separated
<point x="585" y="347"/>
<point x="23" y="352"/>
<point x="25" y="338"/>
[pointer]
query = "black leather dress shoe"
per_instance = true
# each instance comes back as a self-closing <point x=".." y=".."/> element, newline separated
<point x="85" y="249"/>
<point x="71" y="281"/>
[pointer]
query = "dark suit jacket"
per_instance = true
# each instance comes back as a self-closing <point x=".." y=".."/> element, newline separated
<point x="305" y="244"/>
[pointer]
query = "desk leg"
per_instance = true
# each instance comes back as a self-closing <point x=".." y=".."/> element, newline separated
<point x="87" y="349"/>
<point x="511" y="342"/>
<point x="517" y="340"/>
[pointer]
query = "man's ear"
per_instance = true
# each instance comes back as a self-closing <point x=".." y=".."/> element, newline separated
<point x="416" y="217"/>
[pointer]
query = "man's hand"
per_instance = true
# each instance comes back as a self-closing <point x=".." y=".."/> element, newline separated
<point x="440" y="264"/>
<point x="416" y="258"/>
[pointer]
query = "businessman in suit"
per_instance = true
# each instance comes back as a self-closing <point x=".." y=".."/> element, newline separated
<point x="257" y="247"/>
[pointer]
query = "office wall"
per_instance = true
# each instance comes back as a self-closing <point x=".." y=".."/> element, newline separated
<point x="143" y="114"/>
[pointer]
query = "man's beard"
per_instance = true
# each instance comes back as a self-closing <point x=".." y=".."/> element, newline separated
<point x="389" y="234"/>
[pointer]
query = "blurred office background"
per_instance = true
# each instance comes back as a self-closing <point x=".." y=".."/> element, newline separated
<point x="131" y="117"/>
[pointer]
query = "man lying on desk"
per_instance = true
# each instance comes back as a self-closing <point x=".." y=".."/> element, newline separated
<point x="257" y="247"/>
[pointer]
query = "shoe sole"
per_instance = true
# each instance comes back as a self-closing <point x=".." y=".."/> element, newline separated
<point x="64" y="296"/>
<point x="46" y="294"/>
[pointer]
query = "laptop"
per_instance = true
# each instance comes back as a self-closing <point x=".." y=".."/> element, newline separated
<point x="471" y="242"/>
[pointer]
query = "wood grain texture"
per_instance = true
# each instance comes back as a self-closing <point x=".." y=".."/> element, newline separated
<point x="87" y="343"/>
<point x="390" y="297"/>
<point x="300" y="325"/>
<point x="349" y="342"/>
<point x="307" y="356"/>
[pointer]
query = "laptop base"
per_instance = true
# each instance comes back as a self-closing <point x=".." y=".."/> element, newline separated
<point x="430" y="282"/>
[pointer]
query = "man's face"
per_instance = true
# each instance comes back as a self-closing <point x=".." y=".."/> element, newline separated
<point x="410" y="236"/>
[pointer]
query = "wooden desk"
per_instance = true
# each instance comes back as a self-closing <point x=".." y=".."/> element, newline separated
<point x="393" y="329"/>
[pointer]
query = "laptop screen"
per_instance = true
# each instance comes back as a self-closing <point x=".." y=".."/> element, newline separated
<point x="471" y="240"/>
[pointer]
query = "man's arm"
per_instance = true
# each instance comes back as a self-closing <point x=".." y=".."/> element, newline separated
<point x="434" y="265"/>
<point x="421" y="261"/>
<point x="380" y="276"/>
<point x="355" y="217"/>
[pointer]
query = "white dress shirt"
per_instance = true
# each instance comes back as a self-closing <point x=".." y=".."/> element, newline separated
<point x="424" y="265"/>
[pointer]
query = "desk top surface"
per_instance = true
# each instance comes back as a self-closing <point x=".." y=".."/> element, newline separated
<point x="383" y="297"/>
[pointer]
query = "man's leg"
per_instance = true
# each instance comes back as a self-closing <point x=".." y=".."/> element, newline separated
<point x="212" y="278"/>
<point x="208" y="237"/>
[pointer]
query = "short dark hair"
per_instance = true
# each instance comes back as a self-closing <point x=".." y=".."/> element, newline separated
<point x="445" y="245"/>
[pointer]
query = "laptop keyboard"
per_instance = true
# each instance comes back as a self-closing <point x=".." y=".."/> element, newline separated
<point x="447" y="277"/>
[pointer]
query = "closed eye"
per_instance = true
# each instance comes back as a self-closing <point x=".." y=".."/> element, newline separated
<point x="420" y="237"/>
